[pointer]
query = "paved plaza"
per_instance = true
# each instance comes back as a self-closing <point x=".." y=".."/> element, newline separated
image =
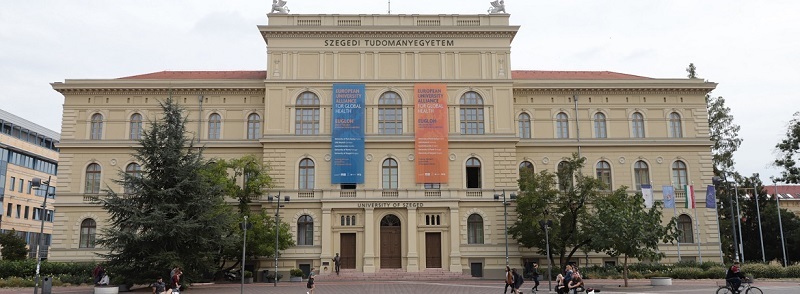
<point x="444" y="287"/>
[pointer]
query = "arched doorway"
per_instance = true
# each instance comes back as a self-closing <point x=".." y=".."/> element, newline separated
<point x="391" y="245"/>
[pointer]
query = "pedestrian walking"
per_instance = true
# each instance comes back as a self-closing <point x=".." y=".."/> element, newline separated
<point x="535" y="276"/>
<point x="336" y="261"/>
<point x="509" y="280"/>
<point x="310" y="284"/>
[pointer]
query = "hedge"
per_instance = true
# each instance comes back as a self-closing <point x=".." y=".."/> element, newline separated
<point x="73" y="273"/>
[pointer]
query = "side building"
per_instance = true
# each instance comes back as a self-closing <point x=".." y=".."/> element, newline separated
<point x="392" y="134"/>
<point x="27" y="151"/>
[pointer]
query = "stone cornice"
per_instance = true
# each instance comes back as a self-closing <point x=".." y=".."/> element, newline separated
<point x="319" y="33"/>
<point x="612" y="87"/>
<point x="116" y="87"/>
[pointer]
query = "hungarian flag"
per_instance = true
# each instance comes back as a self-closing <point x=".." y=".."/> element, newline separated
<point x="689" y="196"/>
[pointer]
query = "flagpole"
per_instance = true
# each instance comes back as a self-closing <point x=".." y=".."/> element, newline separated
<point x="696" y="221"/>
<point x="739" y="216"/>
<point x="719" y="230"/>
<point x="675" y="214"/>
<point x="758" y="213"/>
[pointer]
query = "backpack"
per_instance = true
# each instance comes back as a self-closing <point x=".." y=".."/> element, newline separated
<point x="518" y="279"/>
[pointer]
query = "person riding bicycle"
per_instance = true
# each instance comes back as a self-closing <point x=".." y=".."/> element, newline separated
<point x="734" y="276"/>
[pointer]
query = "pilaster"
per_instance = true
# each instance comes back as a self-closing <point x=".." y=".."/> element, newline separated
<point x="369" y="240"/>
<point x="455" y="241"/>
<point x="413" y="256"/>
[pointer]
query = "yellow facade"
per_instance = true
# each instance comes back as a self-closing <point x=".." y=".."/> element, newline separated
<point x="307" y="54"/>
<point x="27" y="151"/>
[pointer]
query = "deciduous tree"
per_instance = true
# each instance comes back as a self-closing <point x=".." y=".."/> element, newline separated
<point x="637" y="230"/>
<point x="13" y="246"/>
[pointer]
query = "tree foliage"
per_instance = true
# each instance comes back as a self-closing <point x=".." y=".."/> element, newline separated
<point x="245" y="179"/>
<point x="788" y="152"/>
<point x="171" y="214"/>
<point x="13" y="246"/>
<point x="724" y="134"/>
<point x="558" y="197"/>
<point x="637" y="230"/>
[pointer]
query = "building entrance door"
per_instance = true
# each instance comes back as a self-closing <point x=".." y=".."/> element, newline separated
<point x="347" y="258"/>
<point x="433" y="250"/>
<point x="391" y="245"/>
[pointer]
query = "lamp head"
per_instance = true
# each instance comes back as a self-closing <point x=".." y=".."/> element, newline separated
<point x="513" y="196"/>
<point x="496" y="196"/>
<point x="36" y="182"/>
<point x="286" y="198"/>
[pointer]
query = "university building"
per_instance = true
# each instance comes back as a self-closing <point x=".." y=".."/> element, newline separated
<point x="27" y="151"/>
<point x="391" y="134"/>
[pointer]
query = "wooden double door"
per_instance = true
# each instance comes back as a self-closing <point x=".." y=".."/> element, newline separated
<point x="433" y="250"/>
<point x="391" y="242"/>
<point x="347" y="244"/>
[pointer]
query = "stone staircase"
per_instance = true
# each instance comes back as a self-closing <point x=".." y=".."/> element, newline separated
<point x="394" y="275"/>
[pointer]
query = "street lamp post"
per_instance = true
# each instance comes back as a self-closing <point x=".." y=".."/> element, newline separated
<point x="546" y="227"/>
<point x="512" y="196"/>
<point x="277" y="199"/>
<point x="760" y="233"/>
<point x="245" y="226"/>
<point x="37" y="183"/>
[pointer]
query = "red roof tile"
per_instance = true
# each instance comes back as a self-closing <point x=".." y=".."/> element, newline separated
<point x="572" y="75"/>
<point x="201" y="75"/>
<point x="783" y="189"/>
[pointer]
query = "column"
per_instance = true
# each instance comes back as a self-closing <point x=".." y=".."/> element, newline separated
<point x="413" y="256"/>
<point x="369" y="240"/>
<point x="455" y="241"/>
<point x="326" y="226"/>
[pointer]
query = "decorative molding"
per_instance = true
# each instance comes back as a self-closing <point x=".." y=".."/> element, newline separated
<point x="545" y="160"/>
<point x="327" y="157"/>
<point x="410" y="157"/>
<point x="660" y="160"/>
<point x="113" y="162"/>
<point x="452" y="156"/>
<point x="369" y="157"/>
<point x="622" y="159"/>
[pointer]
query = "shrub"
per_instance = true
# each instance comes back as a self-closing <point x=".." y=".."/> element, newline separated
<point x="16" y="282"/>
<point x="710" y="264"/>
<point x="763" y="271"/>
<point x="716" y="272"/>
<point x="686" y="263"/>
<point x="635" y="275"/>
<point x="686" y="272"/>
<point x="792" y="271"/>
<point x="295" y="272"/>
<point x="248" y="274"/>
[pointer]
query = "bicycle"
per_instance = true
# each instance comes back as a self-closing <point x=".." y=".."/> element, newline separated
<point x="746" y="288"/>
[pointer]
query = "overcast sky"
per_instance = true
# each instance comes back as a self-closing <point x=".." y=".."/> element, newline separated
<point x="751" y="48"/>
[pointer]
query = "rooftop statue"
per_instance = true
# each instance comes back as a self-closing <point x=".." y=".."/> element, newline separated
<point x="498" y="6"/>
<point x="279" y="6"/>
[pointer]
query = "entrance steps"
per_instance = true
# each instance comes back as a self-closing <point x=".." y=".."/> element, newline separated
<point x="394" y="275"/>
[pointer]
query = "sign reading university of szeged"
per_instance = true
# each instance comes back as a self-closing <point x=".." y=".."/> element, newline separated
<point x="389" y="43"/>
<point x="430" y="130"/>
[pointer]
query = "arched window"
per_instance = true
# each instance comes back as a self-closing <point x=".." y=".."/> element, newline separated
<point x="641" y="173"/>
<point x="136" y="127"/>
<point x="637" y="125"/>
<point x="306" y="174"/>
<point x="305" y="230"/>
<point x="526" y="166"/>
<point x="524" y="126"/>
<point x="253" y="126"/>
<point x="475" y="229"/>
<point x="679" y="176"/>
<point x="675" y="127"/>
<point x="471" y="114"/>
<point x="390" y="114"/>
<point x="564" y="175"/>
<point x="600" y="125"/>
<point x="214" y="126"/>
<point x="390" y="174"/>
<point x="92" y="179"/>
<point x="133" y="170"/>
<point x="88" y="230"/>
<point x="96" y="132"/>
<point x="306" y="115"/>
<point x="473" y="173"/>
<point x="604" y="173"/>
<point x="685" y="229"/>
<point x="562" y="126"/>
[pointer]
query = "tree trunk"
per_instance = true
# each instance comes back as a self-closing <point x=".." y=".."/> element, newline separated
<point x="625" y="270"/>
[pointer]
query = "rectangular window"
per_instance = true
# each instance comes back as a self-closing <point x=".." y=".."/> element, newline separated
<point x="433" y="186"/>
<point x="21" y="184"/>
<point x="27" y="209"/>
<point x="12" y="184"/>
<point x="8" y="212"/>
<point x="36" y="213"/>
<point x="19" y="210"/>
<point x="30" y="185"/>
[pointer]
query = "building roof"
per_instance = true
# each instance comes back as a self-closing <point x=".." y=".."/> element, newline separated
<point x="785" y="191"/>
<point x="24" y="123"/>
<point x="261" y="75"/>
<point x="201" y="75"/>
<point x="572" y="75"/>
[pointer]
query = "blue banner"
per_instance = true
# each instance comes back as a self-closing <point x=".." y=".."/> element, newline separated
<point x="669" y="196"/>
<point x="347" y="134"/>
<point x="711" y="197"/>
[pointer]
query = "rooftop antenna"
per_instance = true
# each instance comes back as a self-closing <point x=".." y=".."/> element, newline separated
<point x="390" y="6"/>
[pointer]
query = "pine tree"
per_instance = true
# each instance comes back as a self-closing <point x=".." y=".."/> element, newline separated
<point x="170" y="214"/>
<point x="13" y="246"/>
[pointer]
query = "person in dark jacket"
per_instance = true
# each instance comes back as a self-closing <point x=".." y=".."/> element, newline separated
<point x="518" y="280"/>
<point x="535" y="276"/>
<point x="734" y="276"/>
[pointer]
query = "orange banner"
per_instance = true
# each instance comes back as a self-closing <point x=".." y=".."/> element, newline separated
<point x="430" y="132"/>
